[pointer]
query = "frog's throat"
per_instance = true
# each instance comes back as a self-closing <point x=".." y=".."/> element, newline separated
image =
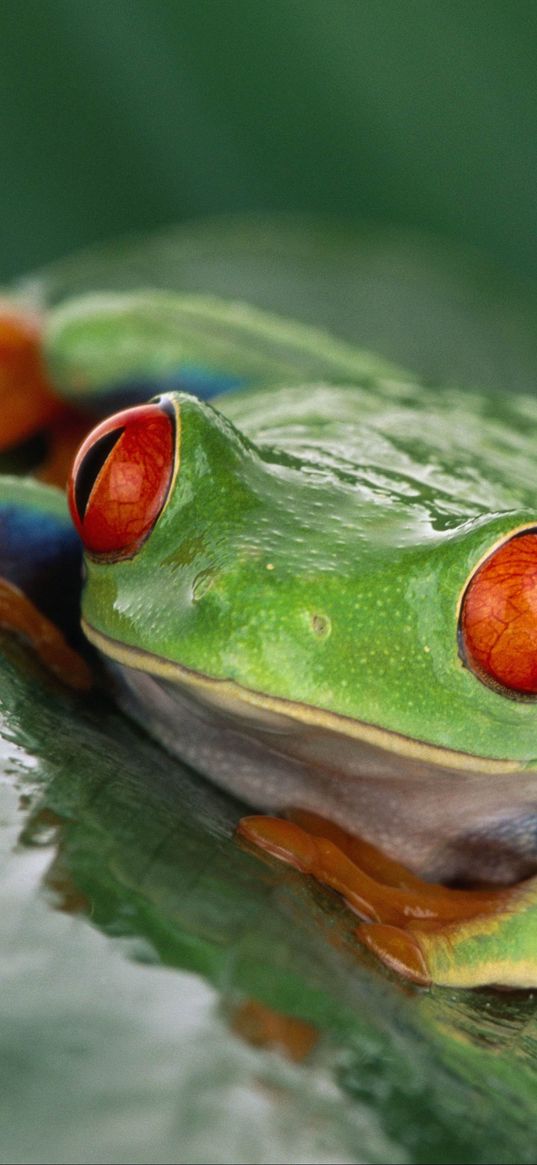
<point x="230" y="693"/>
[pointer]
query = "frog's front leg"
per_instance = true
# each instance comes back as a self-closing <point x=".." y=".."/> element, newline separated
<point x="493" y="949"/>
<point x="427" y="933"/>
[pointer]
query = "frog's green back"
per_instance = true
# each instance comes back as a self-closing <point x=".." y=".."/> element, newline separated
<point x="456" y="453"/>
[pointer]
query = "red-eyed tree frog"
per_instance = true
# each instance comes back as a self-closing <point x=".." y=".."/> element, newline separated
<point x="320" y="590"/>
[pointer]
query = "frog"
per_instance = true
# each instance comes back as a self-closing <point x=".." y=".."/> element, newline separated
<point x="319" y="595"/>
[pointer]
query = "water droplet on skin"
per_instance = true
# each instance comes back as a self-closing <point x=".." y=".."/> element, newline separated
<point x="202" y="583"/>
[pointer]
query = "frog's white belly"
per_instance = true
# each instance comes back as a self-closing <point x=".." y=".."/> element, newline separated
<point x="445" y="823"/>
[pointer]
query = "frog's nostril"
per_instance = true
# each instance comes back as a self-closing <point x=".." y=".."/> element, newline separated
<point x="121" y="479"/>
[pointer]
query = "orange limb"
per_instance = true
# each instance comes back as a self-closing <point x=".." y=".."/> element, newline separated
<point x="398" y="950"/>
<point x="27" y="402"/>
<point x="384" y="894"/>
<point x="374" y="901"/>
<point x="368" y="857"/>
<point x="67" y="896"/>
<point x="263" y="1027"/>
<point x="19" y="615"/>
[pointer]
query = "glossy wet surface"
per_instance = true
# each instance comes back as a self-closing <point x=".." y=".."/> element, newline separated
<point x="149" y="964"/>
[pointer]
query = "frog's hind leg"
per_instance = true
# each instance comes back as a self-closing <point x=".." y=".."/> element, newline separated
<point x="419" y="929"/>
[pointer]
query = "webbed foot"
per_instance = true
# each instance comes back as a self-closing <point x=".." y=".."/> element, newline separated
<point x="426" y="932"/>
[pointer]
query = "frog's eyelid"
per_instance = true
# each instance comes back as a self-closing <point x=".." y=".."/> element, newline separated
<point x="169" y="404"/>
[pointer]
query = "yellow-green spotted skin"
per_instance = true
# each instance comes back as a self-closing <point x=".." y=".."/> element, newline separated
<point x="291" y="624"/>
<point x="500" y="950"/>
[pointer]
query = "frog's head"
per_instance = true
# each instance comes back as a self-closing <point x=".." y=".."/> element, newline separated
<point x="303" y="588"/>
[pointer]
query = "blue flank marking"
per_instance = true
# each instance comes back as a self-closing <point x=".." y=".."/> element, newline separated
<point x="205" y="383"/>
<point x="41" y="554"/>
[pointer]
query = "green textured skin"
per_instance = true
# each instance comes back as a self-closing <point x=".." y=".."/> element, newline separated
<point x="357" y="520"/>
<point x="500" y="950"/>
<point x="315" y="547"/>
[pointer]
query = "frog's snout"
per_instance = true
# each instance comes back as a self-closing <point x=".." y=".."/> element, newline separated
<point x="121" y="479"/>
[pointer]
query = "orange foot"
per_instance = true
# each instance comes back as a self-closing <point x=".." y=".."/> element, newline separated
<point x="264" y="1027"/>
<point x="396" y="905"/>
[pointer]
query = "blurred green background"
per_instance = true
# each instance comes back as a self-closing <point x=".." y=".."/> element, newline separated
<point x="127" y="115"/>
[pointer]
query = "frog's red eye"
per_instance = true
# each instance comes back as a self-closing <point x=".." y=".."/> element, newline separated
<point x="498" y="624"/>
<point x="121" y="478"/>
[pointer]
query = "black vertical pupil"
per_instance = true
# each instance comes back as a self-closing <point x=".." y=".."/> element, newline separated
<point x="90" y="467"/>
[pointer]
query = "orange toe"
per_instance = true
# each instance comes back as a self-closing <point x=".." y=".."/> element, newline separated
<point x="282" y="839"/>
<point x="398" y="949"/>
